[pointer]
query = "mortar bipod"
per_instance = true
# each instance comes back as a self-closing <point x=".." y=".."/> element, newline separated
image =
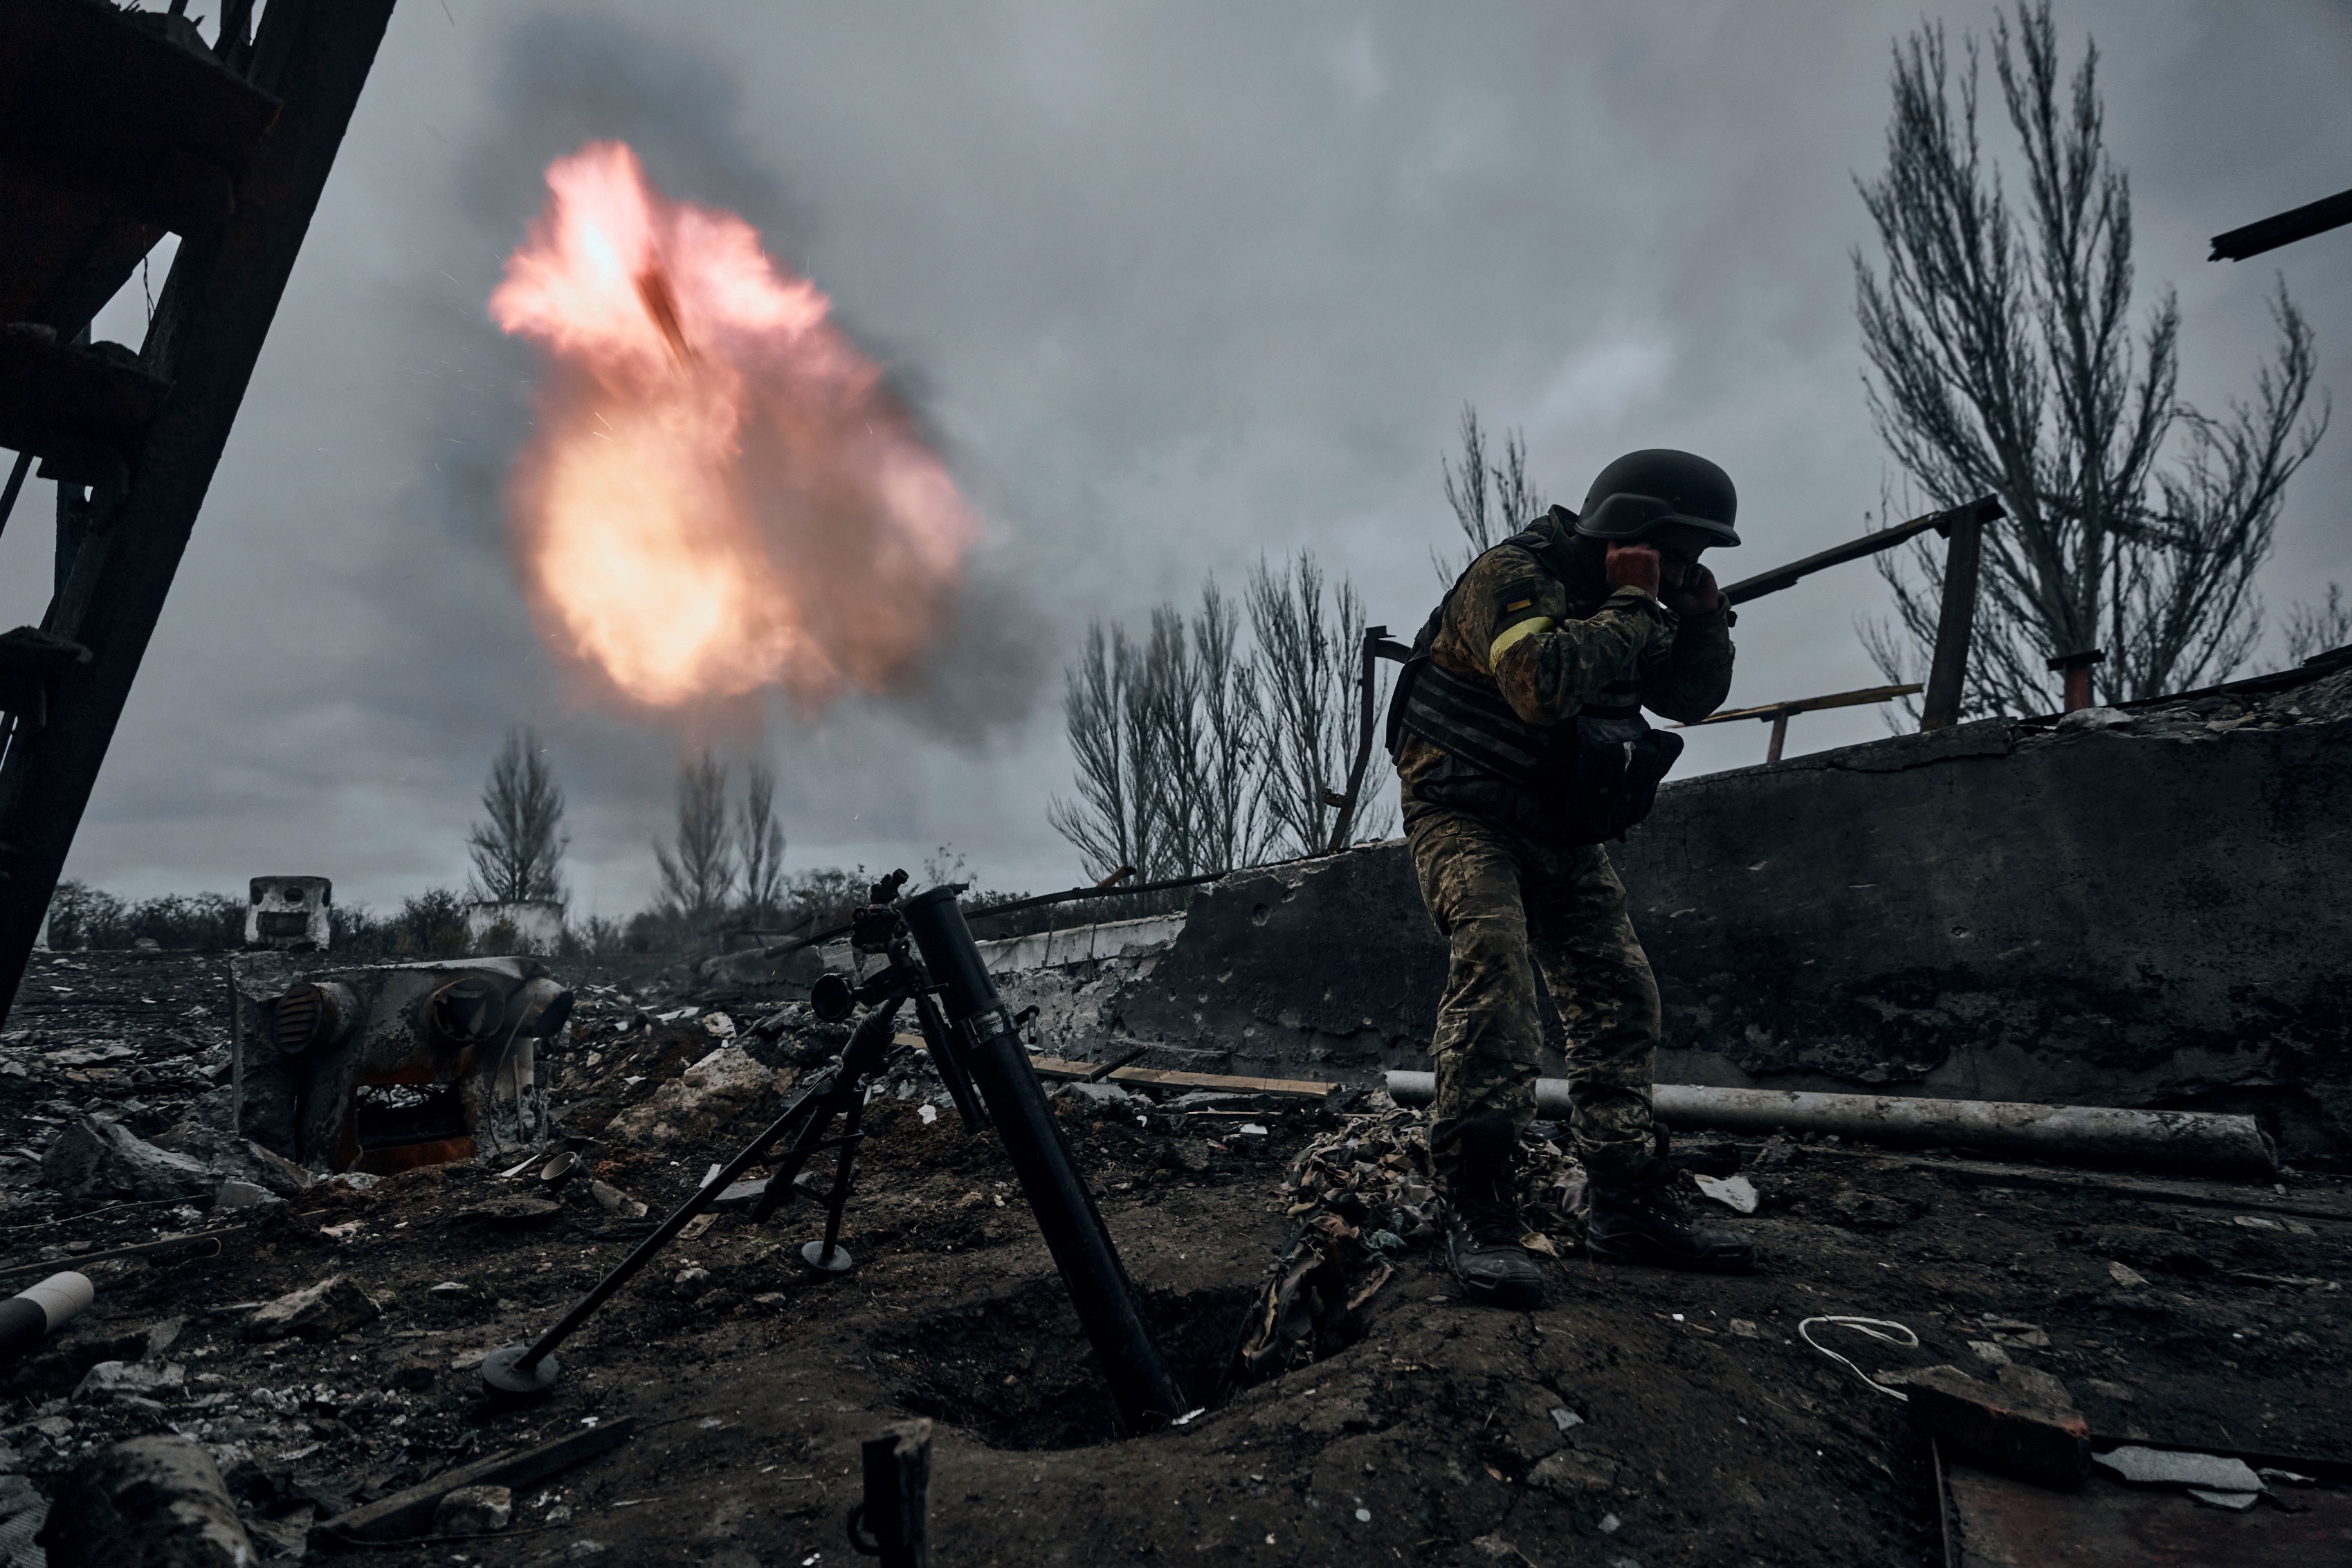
<point x="838" y="1090"/>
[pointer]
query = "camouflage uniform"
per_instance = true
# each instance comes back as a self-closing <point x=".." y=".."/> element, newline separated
<point x="1506" y="889"/>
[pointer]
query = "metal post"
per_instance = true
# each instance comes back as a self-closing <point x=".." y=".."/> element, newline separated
<point x="893" y="1523"/>
<point x="1956" y="622"/>
<point x="2076" y="669"/>
<point x="1779" y="736"/>
<point x="1345" y="824"/>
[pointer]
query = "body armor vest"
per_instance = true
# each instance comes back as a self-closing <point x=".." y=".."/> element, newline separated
<point x="1594" y="775"/>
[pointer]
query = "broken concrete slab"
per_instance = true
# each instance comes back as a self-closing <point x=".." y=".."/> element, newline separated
<point x="1331" y="965"/>
<point x="334" y="1306"/>
<point x="2165" y="1467"/>
<point x="98" y="1160"/>
<point x="2032" y="1386"/>
<point x="158" y="1502"/>
<point x="110" y="1380"/>
<point x="612" y="1200"/>
<point x="699" y="1104"/>
<point x="474" y="1510"/>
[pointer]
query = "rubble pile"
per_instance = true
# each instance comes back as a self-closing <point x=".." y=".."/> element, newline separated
<point x="321" y="1350"/>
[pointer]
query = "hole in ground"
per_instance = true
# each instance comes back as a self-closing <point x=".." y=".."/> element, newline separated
<point x="1015" y="1371"/>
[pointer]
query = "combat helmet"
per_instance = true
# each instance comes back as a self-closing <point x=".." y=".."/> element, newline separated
<point x="1643" y="492"/>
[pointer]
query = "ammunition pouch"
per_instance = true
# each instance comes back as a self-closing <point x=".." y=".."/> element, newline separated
<point x="1594" y="777"/>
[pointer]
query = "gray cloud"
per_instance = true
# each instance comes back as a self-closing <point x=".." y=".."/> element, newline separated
<point x="1175" y="286"/>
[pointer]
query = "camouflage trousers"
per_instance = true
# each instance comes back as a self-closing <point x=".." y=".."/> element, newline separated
<point x="1508" y="906"/>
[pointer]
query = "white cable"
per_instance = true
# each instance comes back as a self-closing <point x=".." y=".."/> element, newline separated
<point x="1871" y="1326"/>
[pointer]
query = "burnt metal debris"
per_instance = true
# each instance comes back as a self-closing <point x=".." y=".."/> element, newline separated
<point x="384" y="1068"/>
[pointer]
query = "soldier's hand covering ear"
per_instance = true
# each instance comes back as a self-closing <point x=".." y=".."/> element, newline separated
<point x="1634" y="566"/>
<point x="1696" y="594"/>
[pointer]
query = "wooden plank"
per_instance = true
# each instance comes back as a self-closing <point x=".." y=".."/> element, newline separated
<point x="409" y="1513"/>
<point x="2246" y="1198"/>
<point x="1807" y="705"/>
<point x="1159" y="1077"/>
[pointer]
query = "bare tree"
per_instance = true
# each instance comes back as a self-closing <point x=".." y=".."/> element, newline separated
<point x="2004" y="360"/>
<point x="1197" y="716"/>
<point x="1167" y="735"/>
<point x="698" y="867"/>
<point x="518" y="854"/>
<point x="2316" y="628"/>
<point x="760" y="846"/>
<point x="1194" y="755"/>
<point x="1164" y="738"/>
<point x="1491" y="499"/>
<point x="1103" y="821"/>
<point x="1308" y="644"/>
<point x="1230" y="828"/>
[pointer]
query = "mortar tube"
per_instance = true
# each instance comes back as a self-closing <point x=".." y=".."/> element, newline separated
<point x="1146" y="1392"/>
<point x="31" y="1316"/>
<point x="2186" y="1141"/>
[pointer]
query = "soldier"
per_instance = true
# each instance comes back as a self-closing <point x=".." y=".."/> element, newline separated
<point x="1517" y="733"/>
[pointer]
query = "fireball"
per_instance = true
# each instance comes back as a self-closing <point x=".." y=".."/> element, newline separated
<point x="722" y="493"/>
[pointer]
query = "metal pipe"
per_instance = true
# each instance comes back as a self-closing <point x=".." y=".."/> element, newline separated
<point x="1099" y="1288"/>
<point x="2184" y="1140"/>
<point x="2075" y="670"/>
<point x="34" y="1313"/>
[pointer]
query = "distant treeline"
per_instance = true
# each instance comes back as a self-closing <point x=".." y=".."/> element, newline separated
<point x="433" y="924"/>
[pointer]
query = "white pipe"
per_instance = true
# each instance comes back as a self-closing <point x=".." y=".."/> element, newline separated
<point x="2157" y="1140"/>
<point x="61" y="1297"/>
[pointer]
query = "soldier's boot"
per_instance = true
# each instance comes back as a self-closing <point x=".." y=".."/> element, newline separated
<point x="1634" y="1218"/>
<point x="1484" y="1226"/>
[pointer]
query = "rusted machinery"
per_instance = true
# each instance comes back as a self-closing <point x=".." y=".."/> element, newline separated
<point x="389" y="1066"/>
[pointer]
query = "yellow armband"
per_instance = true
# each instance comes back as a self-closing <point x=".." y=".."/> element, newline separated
<point x="1513" y="632"/>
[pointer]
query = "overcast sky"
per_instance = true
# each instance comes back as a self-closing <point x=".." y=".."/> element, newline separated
<point x="1177" y="285"/>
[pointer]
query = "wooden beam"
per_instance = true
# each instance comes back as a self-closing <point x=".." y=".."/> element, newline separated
<point x="1157" y="1078"/>
<point x="207" y="333"/>
<point x="893" y="1523"/>
<point x="406" y="1515"/>
<point x="1778" y="711"/>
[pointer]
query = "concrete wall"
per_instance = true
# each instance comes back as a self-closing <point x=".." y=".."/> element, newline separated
<point x="2144" y="909"/>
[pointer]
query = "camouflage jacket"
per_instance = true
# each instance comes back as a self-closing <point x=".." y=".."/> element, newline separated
<point x="1680" y="664"/>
